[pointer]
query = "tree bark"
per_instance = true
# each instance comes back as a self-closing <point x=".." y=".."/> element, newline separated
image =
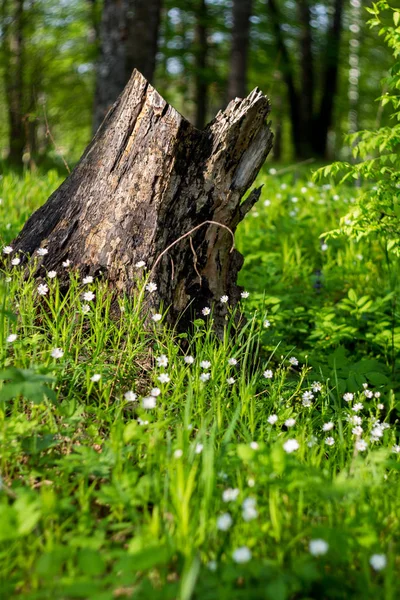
<point x="14" y="85"/>
<point x="111" y="66"/>
<point x="242" y="10"/>
<point x="143" y="22"/>
<point x="201" y="52"/>
<point x="307" y="80"/>
<point x="148" y="178"/>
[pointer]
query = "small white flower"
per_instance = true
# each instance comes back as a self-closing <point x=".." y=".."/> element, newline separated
<point x="11" y="338"/>
<point x="130" y="396"/>
<point x="245" y="294"/>
<point x="232" y="362"/>
<point x="212" y="565"/>
<point x="272" y="419"/>
<point x="151" y="287"/>
<point x="230" y="380"/>
<point x="205" y="364"/>
<point x="95" y="377"/>
<point x="199" y="448"/>
<point x="396" y="449"/>
<point x="88" y="296"/>
<point x="312" y="441"/>
<point x="355" y="420"/>
<point x="7" y="249"/>
<point x="368" y="393"/>
<point x="254" y="445"/>
<point x="378" y="562"/>
<point x="88" y="279"/>
<point x="249" y="513"/>
<point x="348" y="397"/>
<point x="365" y="385"/>
<point x="8" y="279"/>
<point x="358" y="406"/>
<point x="42" y="251"/>
<point x="189" y="360"/>
<point x="42" y="289"/>
<point x="290" y="422"/>
<point x="308" y="396"/>
<point x="224" y="299"/>
<point x="376" y="433"/>
<point x="140" y="264"/>
<point x="294" y="199"/>
<point x="85" y="309"/>
<point x="324" y="247"/>
<point x="162" y="361"/>
<point x="230" y="494"/>
<point x="141" y="422"/>
<point x="242" y="555"/>
<point x="178" y="453"/>
<point x="251" y="482"/>
<point x="66" y="263"/>
<point x="329" y="441"/>
<point x="293" y="361"/>
<point x="206" y="310"/>
<point x="316" y="386"/>
<point x="57" y="353"/>
<point x="157" y="317"/>
<point x="52" y="274"/>
<point x="155" y="392"/>
<point x="361" y="445"/>
<point x="328" y="426"/>
<point x="268" y="374"/>
<point x="267" y="324"/>
<point x="163" y="378"/>
<point x="377" y="394"/>
<point x="357" y="430"/>
<point x="224" y="522"/>
<point x="204" y="377"/>
<point x="291" y="445"/>
<point x="149" y="402"/>
<point x="318" y="547"/>
<point x="380" y="406"/>
<point x="273" y="172"/>
<point x="15" y="261"/>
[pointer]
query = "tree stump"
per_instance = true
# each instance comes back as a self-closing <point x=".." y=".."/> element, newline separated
<point x="147" y="179"/>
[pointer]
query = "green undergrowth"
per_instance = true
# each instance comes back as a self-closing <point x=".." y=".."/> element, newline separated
<point x="140" y="463"/>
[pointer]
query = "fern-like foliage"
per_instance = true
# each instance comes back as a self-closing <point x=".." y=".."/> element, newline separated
<point x="376" y="154"/>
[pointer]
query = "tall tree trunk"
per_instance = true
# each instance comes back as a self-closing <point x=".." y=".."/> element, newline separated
<point x="14" y="82"/>
<point x="307" y="79"/>
<point x="143" y="23"/>
<point x="237" y="86"/>
<point x="330" y="81"/>
<point x="286" y="68"/>
<point x="201" y="53"/>
<point x="111" y="67"/>
<point x="152" y="187"/>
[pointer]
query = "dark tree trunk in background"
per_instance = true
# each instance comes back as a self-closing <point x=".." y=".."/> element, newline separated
<point x="286" y="68"/>
<point x="148" y="178"/>
<point x="111" y="67"/>
<point x="13" y="77"/>
<point x="201" y="53"/>
<point x="128" y="40"/>
<point x="143" y="23"/>
<point x="242" y="11"/>
<point x="330" y="81"/>
<point x="307" y="80"/>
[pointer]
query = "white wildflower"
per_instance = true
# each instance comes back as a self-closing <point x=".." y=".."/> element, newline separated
<point x="11" y="338"/>
<point x="368" y="393"/>
<point x="266" y="324"/>
<point x="88" y="296"/>
<point x="291" y="445"/>
<point x="178" y="453"/>
<point x="88" y="279"/>
<point x="205" y="377"/>
<point x="85" y="309"/>
<point x="318" y="547"/>
<point x="245" y="294"/>
<point x="348" y="397"/>
<point x="66" y="263"/>
<point x="155" y="392"/>
<point x="361" y="445"/>
<point x="205" y="364"/>
<point x="358" y="406"/>
<point x="140" y="264"/>
<point x="206" y="310"/>
<point x="95" y="377"/>
<point x="151" y="287"/>
<point x="42" y="289"/>
<point x="224" y="522"/>
<point x="378" y="562"/>
<point x="189" y="360"/>
<point x="15" y="261"/>
<point x="7" y="249"/>
<point x="163" y="378"/>
<point x="162" y="361"/>
<point x="293" y="361"/>
<point x="157" y="317"/>
<point x="272" y="419"/>
<point x="52" y="274"/>
<point x="230" y="380"/>
<point x="357" y="430"/>
<point x="242" y="555"/>
<point x="328" y="426"/>
<point x="329" y="441"/>
<point x="199" y="448"/>
<point x="232" y="362"/>
<point x="57" y="353"/>
<point x="316" y="386"/>
<point x="290" y="422"/>
<point x="230" y="494"/>
<point x="268" y="374"/>
<point x="42" y="251"/>
<point x="149" y="402"/>
<point x="224" y="299"/>
<point x="130" y="396"/>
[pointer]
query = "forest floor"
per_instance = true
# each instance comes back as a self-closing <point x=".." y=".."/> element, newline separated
<point x="262" y="466"/>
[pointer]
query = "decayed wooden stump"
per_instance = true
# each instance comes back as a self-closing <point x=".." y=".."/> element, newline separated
<point x="147" y="178"/>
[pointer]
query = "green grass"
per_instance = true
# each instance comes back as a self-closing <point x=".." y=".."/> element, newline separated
<point x="102" y="498"/>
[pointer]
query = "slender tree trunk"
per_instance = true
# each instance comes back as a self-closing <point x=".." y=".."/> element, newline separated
<point x="111" y="67"/>
<point x="307" y="79"/>
<point x="14" y="83"/>
<point x="242" y="11"/>
<point x="330" y="81"/>
<point x="151" y="187"/>
<point x="201" y="53"/>
<point x="143" y="23"/>
<point x="286" y="68"/>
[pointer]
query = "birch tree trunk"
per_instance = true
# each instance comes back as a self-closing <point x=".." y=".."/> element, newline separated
<point x="147" y="179"/>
